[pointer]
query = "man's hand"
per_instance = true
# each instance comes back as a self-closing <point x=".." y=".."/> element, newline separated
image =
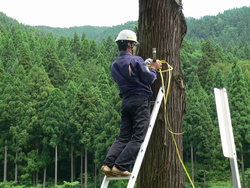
<point x="156" y="65"/>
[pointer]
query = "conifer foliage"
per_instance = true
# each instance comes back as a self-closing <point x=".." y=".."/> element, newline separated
<point x="58" y="99"/>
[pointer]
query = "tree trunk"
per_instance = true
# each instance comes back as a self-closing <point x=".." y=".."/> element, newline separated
<point x="74" y="169"/>
<point x="195" y="164"/>
<point x="204" y="170"/>
<point x="81" y="166"/>
<point x="192" y="160"/>
<point x="5" y="161"/>
<point x="242" y="168"/>
<point x="86" y="165"/>
<point x="72" y="162"/>
<point x="44" y="178"/>
<point x="162" y="26"/>
<point x="37" y="175"/>
<point x="95" y="175"/>
<point x="16" y="165"/>
<point x="34" y="179"/>
<point x="56" y="166"/>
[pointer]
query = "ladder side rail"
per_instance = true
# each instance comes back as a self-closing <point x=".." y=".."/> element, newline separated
<point x="105" y="182"/>
<point x="144" y="145"/>
<point x="141" y="153"/>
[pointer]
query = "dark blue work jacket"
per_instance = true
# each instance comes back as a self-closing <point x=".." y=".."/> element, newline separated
<point x="132" y="75"/>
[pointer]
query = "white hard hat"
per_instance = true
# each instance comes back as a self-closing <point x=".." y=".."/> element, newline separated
<point x="127" y="35"/>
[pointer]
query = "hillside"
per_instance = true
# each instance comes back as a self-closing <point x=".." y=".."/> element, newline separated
<point x="6" y="23"/>
<point x="92" y="32"/>
<point x="231" y="27"/>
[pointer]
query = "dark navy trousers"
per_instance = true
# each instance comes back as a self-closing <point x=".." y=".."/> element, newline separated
<point x="135" y="119"/>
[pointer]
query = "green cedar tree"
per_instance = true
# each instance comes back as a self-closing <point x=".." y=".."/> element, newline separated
<point x="247" y="50"/>
<point x="62" y="53"/>
<point x="51" y="41"/>
<point x="239" y="101"/>
<point x="203" y="68"/>
<point x="54" y="117"/>
<point x="204" y="97"/>
<point x="229" y="49"/>
<point x="209" y="81"/>
<point x="37" y="91"/>
<point x="70" y="98"/>
<point x="85" y="50"/>
<point x="83" y="36"/>
<point x="54" y="68"/>
<point x="103" y="52"/>
<point x="218" y="79"/>
<point x="18" y="39"/>
<point x="191" y="120"/>
<point x="187" y="46"/>
<point x="104" y="62"/>
<point x="87" y="112"/>
<point x="205" y="128"/>
<point x="76" y="44"/>
<point x="75" y="74"/>
<point x="109" y="126"/>
<point x="247" y="79"/>
<point x="2" y="72"/>
<point x="91" y="70"/>
<point x="103" y="85"/>
<point x="93" y="51"/>
<point x="196" y="85"/>
<point x="209" y="50"/>
<point x="8" y="52"/>
<point x="25" y="60"/>
<point x="32" y="41"/>
<point x="113" y="52"/>
<point x="220" y="56"/>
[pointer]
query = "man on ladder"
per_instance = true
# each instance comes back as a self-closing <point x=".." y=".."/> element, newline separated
<point x="134" y="80"/>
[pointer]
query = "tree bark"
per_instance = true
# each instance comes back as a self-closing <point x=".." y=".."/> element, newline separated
<point x="34" y="179"/>
<point x="204" y="171"/>
<point x="192" y="160"/>
<point x="5" y="161"/>
<point x="242" y="168"/>
<point x="37" y="174"/>
<point x="95" y="176"/>
<point x="195" y="163"/>
<point x="81" y="166"/>
<point x="56" y="166"/>
<point x="162" y="26"/>
<point x="44" y="178"/>
<point x="86" y="165"/>
<point x="16" y="165"/>
<point x="72" y="162"/>
<point x="74" y="168"/>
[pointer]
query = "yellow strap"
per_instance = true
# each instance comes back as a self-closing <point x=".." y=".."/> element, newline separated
<point x="129" y="69"/>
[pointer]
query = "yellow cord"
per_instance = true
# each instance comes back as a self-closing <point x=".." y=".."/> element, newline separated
<point x="166" y="118"/>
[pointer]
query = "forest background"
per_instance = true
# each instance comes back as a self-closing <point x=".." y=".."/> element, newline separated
<point x="56" y="92"/>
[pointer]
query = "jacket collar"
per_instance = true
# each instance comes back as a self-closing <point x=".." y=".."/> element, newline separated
<point x="124" y="53"/>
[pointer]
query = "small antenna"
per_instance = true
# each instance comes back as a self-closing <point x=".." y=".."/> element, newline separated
<point x="154" y="54"/>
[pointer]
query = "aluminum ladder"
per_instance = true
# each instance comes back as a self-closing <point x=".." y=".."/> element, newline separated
<point x="142" y="151"/>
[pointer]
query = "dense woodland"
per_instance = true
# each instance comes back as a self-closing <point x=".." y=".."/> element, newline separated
<point x="59" y="104"/>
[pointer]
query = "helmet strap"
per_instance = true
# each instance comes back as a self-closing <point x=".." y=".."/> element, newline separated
<point x="132" y="47"/>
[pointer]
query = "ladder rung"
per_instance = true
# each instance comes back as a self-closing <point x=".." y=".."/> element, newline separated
<point x="118" y="178"/>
